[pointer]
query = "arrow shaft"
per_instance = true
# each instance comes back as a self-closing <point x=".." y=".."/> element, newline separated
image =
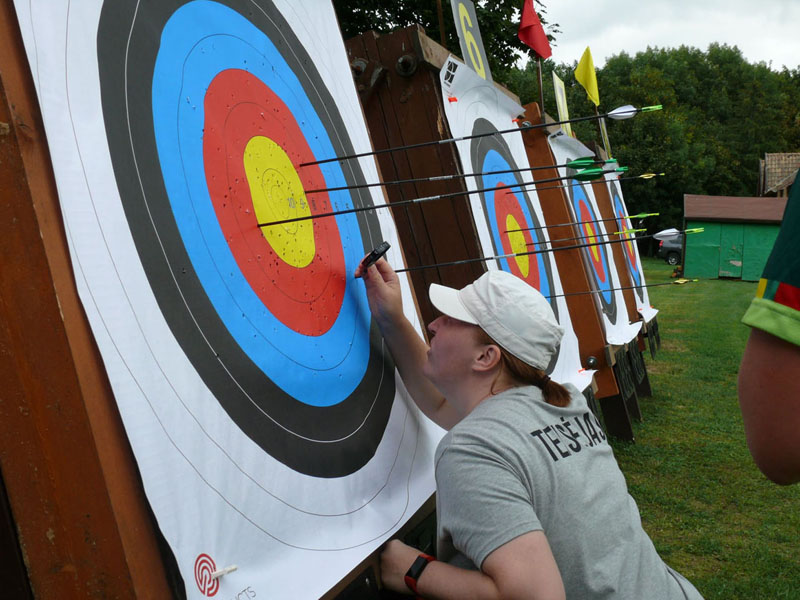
<point x="567" y="185"/>
<point x="437" y="178"/>
<point x="402" y="203"/>
<point x="564" y="224"/>
<point x="580" y="237"/>
<point x="624" y="287"/>
<point x="527" y="127"/>
<point x="515" y="254"/>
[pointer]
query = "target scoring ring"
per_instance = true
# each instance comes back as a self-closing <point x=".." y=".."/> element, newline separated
<point x="317" y="402"/>
<point x="490" y="155"/>
<point x="251" y="141"/>
<point x="596" y="254"/>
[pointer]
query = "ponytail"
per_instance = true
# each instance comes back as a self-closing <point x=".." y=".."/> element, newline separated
<point x="554" y="393"/>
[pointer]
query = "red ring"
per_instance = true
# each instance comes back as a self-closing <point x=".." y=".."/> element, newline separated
<point x="238" y="107"/>
<point x="505" y="204"/>
<point x="586" y="217"/>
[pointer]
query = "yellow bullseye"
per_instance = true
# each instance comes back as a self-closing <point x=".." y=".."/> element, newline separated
<point x="516" y="239"/>
<point x="592" y="240"/>
<point x="278" y="194"/>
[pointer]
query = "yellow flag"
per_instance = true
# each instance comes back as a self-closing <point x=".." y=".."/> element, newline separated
<point x="586" y="76"/>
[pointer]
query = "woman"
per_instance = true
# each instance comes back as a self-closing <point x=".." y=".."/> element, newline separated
<point x="530" y="501"/>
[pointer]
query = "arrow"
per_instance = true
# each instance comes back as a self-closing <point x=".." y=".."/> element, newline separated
<point x="583" y="237"/>
<point x="639" y="216"/>
<point x="528" y="252"/>
<point x="623" y="112"/>
<point x="626" y="287"/>
<point x="598" y="173"/>
<point x="628" y="111"/>
<point x="578" y="163"/>
<point x="566" y="185"/>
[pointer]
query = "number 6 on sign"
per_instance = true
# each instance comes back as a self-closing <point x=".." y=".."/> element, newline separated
<point x="469" y="37"/>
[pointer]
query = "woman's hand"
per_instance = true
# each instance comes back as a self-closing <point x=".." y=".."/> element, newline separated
<point x="383" y="292"/>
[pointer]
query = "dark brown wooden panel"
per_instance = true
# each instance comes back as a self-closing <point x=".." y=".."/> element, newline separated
<point x="72" y="483"/>
<point x="404" y="108"/>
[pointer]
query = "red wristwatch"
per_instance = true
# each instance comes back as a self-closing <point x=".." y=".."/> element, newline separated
<point x="416" y="569"/>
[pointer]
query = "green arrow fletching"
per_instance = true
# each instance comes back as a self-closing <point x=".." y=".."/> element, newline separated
<point x="589" y="174"/>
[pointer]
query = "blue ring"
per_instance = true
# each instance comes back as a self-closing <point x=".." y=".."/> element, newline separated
<point x="200" y="40"/>
<point x="619" y="209"/>
<point x="494" y="161"/>
<point x="579" y="196"/>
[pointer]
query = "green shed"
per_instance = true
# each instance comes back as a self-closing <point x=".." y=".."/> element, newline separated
<point x="738" y="237"/>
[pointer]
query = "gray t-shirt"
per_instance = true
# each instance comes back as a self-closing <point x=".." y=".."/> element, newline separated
<point x="516" y="464"/>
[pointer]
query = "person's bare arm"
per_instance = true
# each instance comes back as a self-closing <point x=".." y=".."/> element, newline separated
<point x="769" y="397"/>
<point x="522" y="569"/>
<point x="408" y="349"/>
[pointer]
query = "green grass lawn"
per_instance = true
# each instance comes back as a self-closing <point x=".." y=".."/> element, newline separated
<point x="711" y="514"/>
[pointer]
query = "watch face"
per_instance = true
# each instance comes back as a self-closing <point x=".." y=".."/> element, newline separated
<point x="418" y="567"/>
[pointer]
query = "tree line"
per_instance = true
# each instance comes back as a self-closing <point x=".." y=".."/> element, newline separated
<point x="721" y="113"/>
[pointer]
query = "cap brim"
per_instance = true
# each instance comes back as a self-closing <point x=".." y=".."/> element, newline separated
<point x="446" y="300"/>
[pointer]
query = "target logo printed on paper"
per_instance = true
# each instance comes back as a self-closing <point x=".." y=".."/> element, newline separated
<point x="204" y="567"/>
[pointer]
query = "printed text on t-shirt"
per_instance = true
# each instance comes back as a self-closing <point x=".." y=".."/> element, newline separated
<point x="567" y="436"/>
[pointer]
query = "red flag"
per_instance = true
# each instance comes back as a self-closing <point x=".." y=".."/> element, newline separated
<point x="531" y="31"/>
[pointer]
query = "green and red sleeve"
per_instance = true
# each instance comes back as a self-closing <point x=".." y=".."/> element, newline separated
<point x="776" y="307"/>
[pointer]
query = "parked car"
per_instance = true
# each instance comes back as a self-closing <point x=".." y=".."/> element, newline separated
<point x="671" y="249"/>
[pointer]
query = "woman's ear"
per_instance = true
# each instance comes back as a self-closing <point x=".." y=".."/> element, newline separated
<point x="488" y="358"/>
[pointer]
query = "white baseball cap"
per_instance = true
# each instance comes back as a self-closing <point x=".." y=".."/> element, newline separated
<point x="510" y="311"/>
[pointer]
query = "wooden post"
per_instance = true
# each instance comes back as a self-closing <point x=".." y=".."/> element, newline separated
<point x="403" y="105"/>
<point x="73" y="487"/>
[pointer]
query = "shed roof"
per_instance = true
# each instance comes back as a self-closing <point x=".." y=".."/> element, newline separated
<point x="734" y="208"/>
<point x="783" y="183"/>
<point x="777" y="167"/>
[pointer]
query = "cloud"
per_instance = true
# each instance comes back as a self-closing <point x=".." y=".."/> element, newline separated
<point x="764" y="31"/>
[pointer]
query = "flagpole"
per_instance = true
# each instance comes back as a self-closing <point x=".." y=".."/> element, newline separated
<point x="541" y="88"/>
<point x="440" y="14"/>
<point x="599" y="128"/>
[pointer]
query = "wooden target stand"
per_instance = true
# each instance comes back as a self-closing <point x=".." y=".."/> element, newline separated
<point x="397" y="77"/>
<point x="614" y="388"/>
<point x="74" y="522"/>
<point x="635" y="367"/>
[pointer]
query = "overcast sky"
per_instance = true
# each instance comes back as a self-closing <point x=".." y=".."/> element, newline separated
<point x="764" y="30"/>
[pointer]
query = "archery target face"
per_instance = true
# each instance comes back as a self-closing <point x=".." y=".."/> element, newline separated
<point x="508" y="220"/>
<point x="513" y="224"/>
<point x="628" y="246"/>
<point x="272" y="386"/>
<point x="270" y="316"/>
<point x="268" y="425"/>
<point x="591" y="232"/>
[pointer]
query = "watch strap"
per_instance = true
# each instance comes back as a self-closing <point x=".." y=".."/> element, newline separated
<point x="415" y="571"/>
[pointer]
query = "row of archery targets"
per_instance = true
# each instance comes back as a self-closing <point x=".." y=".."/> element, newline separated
<point x="222" y="167"/>
<point x="513" y="200"/>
